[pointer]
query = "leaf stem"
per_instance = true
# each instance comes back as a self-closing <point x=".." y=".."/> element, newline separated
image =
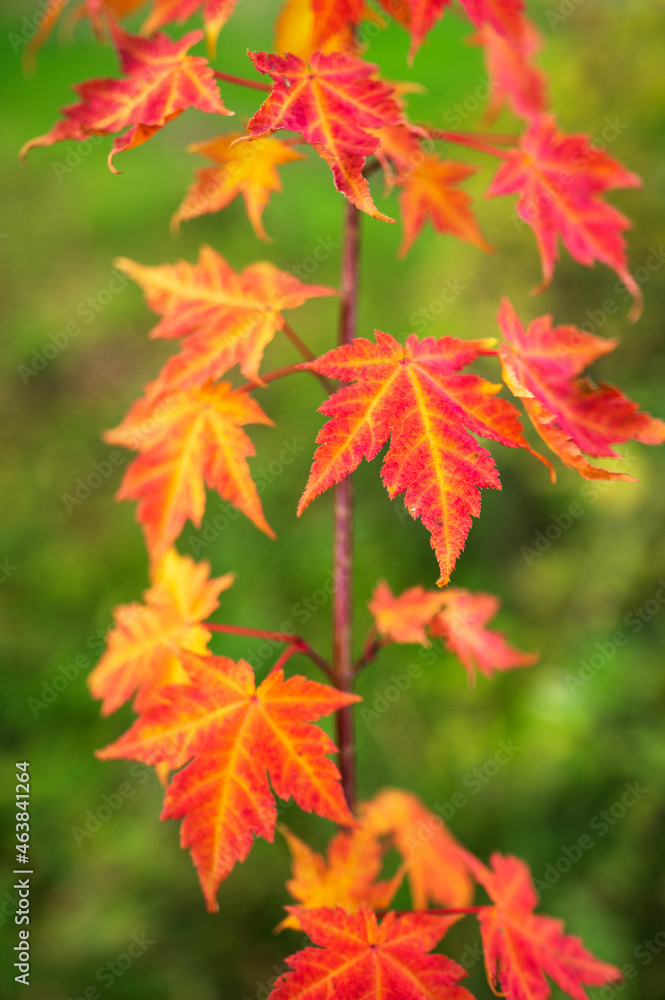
<point x="308" y="355"/>
<point x="371" y="649"/>
<point x="484" y="142"/>
<point x="299" y="644"/>
<point x="276" y="374"/>
<point x="343" y="527"/>
<point x="243" y="81"/>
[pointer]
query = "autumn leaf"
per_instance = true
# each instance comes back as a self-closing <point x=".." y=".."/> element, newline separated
<point x="143" y="649"/>
<point x="560" y="179"/>
<point x="515" y="79"/>
<point x="522" y="948"/>
<point x="161" y="80"/>
<point x="247" y="169"/>
<point x="361" y="958"/>
<point x="347" y="877"/>
<point x="435" y="871"/>
<point x="226" y="318"/>
<point x="305" y="26"/>
<point x="414" y="395"/>
<point x="417" y="16"/>
<point x="215" y="15"/>
<point x="334" y="101"/>
<point x="99" y="12"/>
<point x="189" y="440"/>
<point x="541" y="365"/>
<point x="461" y="623"/>
<point x="429" y="192"/>
<point x="403" y="618"/>
<point x="504" y="16"/>
<point x="234" y="735"/>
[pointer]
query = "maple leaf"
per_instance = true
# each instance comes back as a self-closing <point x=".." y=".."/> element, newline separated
<point x="359" y="957"/>
<point x="462" y="622"/>
<point x="559" y="179"/>
<point x="403" y="618"/>
<point x="429" y="192"/>
<point x="215" y="15"/>
<point x="161" y="81"/>
<point x="417" y="16"/>
<point x="522" y="948"/>
<point x="234" y="735"/>
<point x="144" y="647"/>
<point x="247" y="169"/>
<point x="505" y="16"/>
<point x="334" y="101"/>
<point x="515" y="79"/>
<point x="347" y="877"/>
<point x="305" y="26"/>
<point x="434" y="868"/>
<point x="226" y="318"/>
<point x="194" y="439"/>
<point x="415" y="395"/>
<point x="99" y="12"/>
<point x="571" y="414"/>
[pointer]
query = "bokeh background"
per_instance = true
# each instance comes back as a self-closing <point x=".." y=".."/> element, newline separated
<point x="586" y="721"/>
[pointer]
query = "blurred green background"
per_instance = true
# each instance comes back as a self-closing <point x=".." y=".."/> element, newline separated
<point x="587" y="720"/>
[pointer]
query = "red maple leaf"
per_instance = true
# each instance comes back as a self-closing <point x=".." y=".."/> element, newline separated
<point x="417" y="16"/>
<point x="187" y="440"/>
<point x="559" y="179"/>
<point x="161" y="81"/>
<point x="522" y="948"/>
<point x="335" y="102"/>
<point x="360" y="958"/>
<point x="515" y="79"/>
<point x="215" y="15"/>
<point x="541" y="365"/>
<point x="462" y="625"/>
<point x="234" y="736"/>
<point x="144" y="648"/>
<point x="415" y="395"/>
<point x="403" y="618"/>
<point x="225" y="318"/>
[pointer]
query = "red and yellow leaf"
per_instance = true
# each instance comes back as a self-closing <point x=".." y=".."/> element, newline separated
<point x="429" y="192"/>
<point x="305" y="26"/>
<point x="99" y="12"/>
<point x="515" y="79"/>
<point x="403" y="618"/>
<point x="334" y="101"/>
<point x="215" y="15"/>
<point x="541" y="365"/>
<point x="247" y="169"/>
<point x="226" y="318"/>
<point x="435" y="870"/>
<point x="560" y="179"/>
<point x="522" y="948"/>
<point x="186" y="441"/>
<point x="234" y="735"/>
<point x="144" y="647"/>
<point x="161" y="80"/>
<point x="358" y="957"/>
<point x="461" y="623"/>
<point x="417" y="16"/>
<point x="347" y="877"/>
<point x="414" y="395"/>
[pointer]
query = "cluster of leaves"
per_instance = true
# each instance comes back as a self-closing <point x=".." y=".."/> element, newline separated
<point x="223" y="746"/>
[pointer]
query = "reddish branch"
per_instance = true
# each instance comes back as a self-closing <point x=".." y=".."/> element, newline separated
<point x="243" y="81"/>
<point x="298" y="644"/>
<point x="343" y="670"/>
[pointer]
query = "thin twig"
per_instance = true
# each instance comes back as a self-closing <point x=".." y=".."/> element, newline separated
<point x="243" y="81"/>
<point x="308" y="355"/>
<point x="299" y="644"/>
<point x="484" y="142"/>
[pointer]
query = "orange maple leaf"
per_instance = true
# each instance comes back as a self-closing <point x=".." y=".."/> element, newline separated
<point x="359" y="957"/>
<point x="247" y="169"/>
<point x="215" y="15"/>
<point x="334" y="101"/>
<point x="434" y="868"/>
<point x="347" y="877"/>
<point x="417" y="16"/>
<point x="415" y="395"/>
<point x="100" y="13"/>
<point x="226" y="318"/>
<point x="462" y="622"/>
<point x="403" y="618"/>
<point x="143" y="650"/>
<point x="234" y="735"/>
<point x="559" y="179"/>
<point x="522" y="948"/>
<point x="541" y="365"/>
<point x="429" y="192"/>
<point x="161" y="81"/>
<point x="186" y="441"/>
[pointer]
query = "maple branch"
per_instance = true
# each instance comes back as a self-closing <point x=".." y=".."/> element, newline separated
<point x="281" y="373"/>
<point x="243" y="81"/>
<point x="343" y="527"/>
<point x="308" y="355"/>
<point x="298" y="644"/>
<point x="371" y="649"/>
<point x="484" y="142"/>
<point x="439" y="911"/>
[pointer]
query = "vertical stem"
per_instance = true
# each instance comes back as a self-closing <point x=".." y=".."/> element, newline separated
<point x="343" y="527"/>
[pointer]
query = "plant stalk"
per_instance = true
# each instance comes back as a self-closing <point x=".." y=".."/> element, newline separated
<point x="342" y="661"/>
